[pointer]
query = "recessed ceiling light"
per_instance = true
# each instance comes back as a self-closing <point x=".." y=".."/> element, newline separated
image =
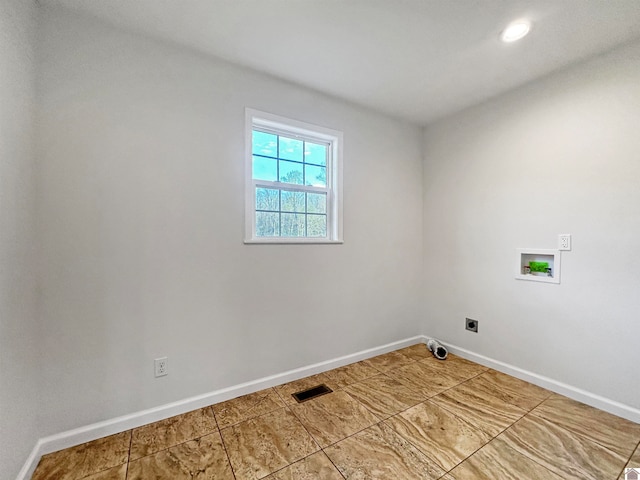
<point x="515" y="31"/>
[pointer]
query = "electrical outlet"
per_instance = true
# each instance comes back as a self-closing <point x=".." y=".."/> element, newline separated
<point x="471" y="324"/>
<point x="564" y="241"/>
<point x="161" y="366"/>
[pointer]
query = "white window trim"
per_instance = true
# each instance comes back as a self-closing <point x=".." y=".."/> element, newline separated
<point x="334" y="180"/>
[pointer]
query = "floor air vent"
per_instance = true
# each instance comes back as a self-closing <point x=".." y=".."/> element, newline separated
<point x="310" y="393"/>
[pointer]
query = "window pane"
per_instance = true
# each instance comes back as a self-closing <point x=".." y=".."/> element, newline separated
<point x="290" y="149"/>
<point x="316" y="176"/>
<point x="292" y="201"/>
<point x="265" y="144"/>
<point x="267" y="224"/>
<point x="291" y="172"/>
<point x="265" y="169"/>
<point x="314" y="153"/>
<point x="317" y="202"/>
<point x="316" y="225"/>
<point x="292" y="225"/>
<point x="267" y="199"/>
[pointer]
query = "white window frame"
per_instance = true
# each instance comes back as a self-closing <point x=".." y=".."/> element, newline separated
<point x="294" y="128"/>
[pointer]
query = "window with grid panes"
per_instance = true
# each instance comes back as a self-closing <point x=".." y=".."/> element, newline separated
<point x="293" y="181"/>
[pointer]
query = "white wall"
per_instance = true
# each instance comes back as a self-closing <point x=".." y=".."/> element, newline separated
<point x="141" y="192"/>
<point x="557" y="156"/>
<point x="18" y="327"/>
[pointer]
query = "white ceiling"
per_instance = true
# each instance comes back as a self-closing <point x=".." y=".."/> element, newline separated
<point x="415" y="59"/>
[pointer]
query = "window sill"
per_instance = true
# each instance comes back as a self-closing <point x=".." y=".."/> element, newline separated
<point x="292" y="241"/>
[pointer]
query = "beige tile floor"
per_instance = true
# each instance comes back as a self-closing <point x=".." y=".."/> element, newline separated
<point x="402" y="415"/>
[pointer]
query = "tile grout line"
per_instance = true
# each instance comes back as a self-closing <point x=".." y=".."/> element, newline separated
<point x="469" y="379"/>
<point x="391" y="378"/>
<point x="505" y="401"/>
<point x="224" y="445"/>
<point x="314" y="438"/>
<point x="393" y="368"/>
<point x="489" y="442"/>
<point x="527" y="452"/>
<point x="624" y="467"/>
<point x="320" y="450"/>
<point x="348" y="436"/>
<point x="306" y="456"/>
<point x="380" y="422"/>
<point x="177" y="444"/>
<point x="280" y="407"/>
<point x="114" y="466"/>
<point x="451" y="388"/>
<point x="155" y="452"/>
<point x="428" y="456"/>
<point x="357" y="381"/>
<point x="287" y="407"/>
<point x="253" y="407"/>
<point x="478" y="426"/>
<point x="451" y="413"/>
<point x="351" y="435"/>
<point x="496" y="438"/>
<point x="334" y="465"/>
<point x="126" y="474"/>
<point x="279" y="394"/>
<point x="629" y="459"/>
<point x="385" y="374"/>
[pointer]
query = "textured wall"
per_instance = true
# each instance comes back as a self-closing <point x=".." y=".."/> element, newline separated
<point x="557" y="156"/>
<point x="142" y="193"/>
<point x="18" y="326"/>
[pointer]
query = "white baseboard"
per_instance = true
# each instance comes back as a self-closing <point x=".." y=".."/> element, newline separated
<point x="603" y="403"/>
<point x="26" y="472"/>
<point x="94" y="431"/>
<point x="120" y="424"/>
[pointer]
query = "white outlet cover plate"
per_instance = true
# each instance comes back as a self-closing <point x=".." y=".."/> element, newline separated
<point x="161" y="366"/>
<point x="564" y="241"/>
